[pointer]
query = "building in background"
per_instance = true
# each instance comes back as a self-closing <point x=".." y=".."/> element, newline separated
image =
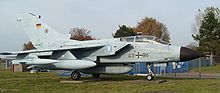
<point x="171" y="67"/>
<point x="160" y="68"/>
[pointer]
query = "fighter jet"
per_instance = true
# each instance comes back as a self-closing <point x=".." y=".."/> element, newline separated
<point x="107" y="56"/>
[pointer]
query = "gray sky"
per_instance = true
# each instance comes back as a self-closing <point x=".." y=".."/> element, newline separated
<point x="102" y="17"/>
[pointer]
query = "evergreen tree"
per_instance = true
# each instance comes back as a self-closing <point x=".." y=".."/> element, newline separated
<point x="209" y="32"/>
<point x="124" y="31"/>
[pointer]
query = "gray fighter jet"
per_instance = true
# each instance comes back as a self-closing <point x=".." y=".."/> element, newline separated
<point x="108" y="56"/>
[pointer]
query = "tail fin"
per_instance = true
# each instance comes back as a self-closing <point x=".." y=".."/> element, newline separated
<point x="40" y="34"/>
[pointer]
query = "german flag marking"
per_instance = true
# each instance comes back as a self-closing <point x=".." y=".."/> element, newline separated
<point x="38" y="26"/>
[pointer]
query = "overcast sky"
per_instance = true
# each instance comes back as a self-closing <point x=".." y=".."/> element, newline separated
<point x="102" y="17"/>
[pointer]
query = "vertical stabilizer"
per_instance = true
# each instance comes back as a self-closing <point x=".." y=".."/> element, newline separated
<point x="39" y="33"/>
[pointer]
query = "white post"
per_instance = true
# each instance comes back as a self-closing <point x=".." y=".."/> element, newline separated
<point x="200" y="68"/>
<point x="6" y="64"/>
<point x="211" y="59"/>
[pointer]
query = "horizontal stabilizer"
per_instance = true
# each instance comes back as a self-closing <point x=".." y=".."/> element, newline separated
<point x="6" y="53"/>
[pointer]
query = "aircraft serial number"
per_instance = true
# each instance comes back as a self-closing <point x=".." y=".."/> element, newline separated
<point x="138" y="55"/>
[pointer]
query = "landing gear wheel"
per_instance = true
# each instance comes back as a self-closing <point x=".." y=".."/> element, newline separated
<point x="75" y="75"/>
<point x="96" y="75"/>
<point x="149" y="77"/>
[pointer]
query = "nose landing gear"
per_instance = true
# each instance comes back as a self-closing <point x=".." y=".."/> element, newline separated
<point x="150" y="75"/>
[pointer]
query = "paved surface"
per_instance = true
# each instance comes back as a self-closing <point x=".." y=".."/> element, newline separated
<point x="192" y="75"/>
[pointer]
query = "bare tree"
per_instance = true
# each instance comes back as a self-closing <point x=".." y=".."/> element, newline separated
<point x="192" y="45"/>
<point x="198" y="21"/>
<point x="81" y="34"/>
<point x="150" y="26"/>
<point x="28" y="46"/>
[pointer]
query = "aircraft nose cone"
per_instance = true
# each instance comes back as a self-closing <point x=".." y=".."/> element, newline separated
<point x="189" y="54"/>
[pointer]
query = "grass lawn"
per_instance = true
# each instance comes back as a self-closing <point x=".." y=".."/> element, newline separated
<point x="1" y="64"/>
<point x="209" y="69"/>
<point x="25" y="82"/>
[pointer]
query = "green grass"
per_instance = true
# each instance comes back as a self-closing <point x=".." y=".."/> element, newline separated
<point x="209" y="69"/>
<point x="24" y="82"/>
<point x="1" y="63"/>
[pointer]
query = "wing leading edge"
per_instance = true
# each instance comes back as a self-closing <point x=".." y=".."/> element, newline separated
<point x="51" y="50"/>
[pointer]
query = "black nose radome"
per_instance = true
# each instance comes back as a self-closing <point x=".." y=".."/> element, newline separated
<point x="188" y="54"/>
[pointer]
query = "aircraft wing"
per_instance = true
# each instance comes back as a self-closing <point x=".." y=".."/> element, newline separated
<point x="53" y="49"/>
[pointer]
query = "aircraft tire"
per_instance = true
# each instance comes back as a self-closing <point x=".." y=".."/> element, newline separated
<point x="75" y="75"/>
<point x="149" y="77"/>
<point x="96" y="75"/>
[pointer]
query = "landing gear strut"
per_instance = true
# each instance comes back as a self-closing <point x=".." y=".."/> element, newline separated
<point x="75" y="75"/>
<point x="150" y="75"/>
<point x="33" y="70"/>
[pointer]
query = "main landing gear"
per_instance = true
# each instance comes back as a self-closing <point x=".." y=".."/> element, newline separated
<point x="150" y="75"/>
<point x="75" y="75"/>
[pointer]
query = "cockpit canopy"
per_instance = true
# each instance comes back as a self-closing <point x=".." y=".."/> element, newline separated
<point x="143" y="38"/>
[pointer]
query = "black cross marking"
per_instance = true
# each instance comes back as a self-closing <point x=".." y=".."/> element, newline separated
<point x="138" y="55"/>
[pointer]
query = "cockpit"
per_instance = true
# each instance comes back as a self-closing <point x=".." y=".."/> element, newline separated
<point x="143" y="38"/>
